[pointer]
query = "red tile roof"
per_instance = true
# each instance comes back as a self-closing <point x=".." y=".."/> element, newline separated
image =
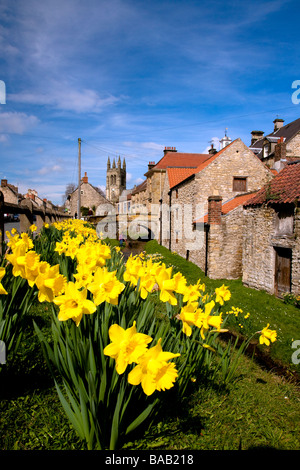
<point x="284" y="188"/>
<point x="177" y="159"/>
<point x="228" y="206"/>
<point x="176" y="175"/>
<point x="180" y="174"/>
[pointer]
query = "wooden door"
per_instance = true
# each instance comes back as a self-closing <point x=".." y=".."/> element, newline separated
<point x="283" y="264"/>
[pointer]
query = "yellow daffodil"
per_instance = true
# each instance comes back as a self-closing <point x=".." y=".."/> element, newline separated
<point x="49" y="282"/>
<point x="167" y="285"/>
<point x="105" y="287"/>
<point x="188" y="317"/>
<point x="192" y="292"/>
<point x="126" y="346"/>
<point x="83" y="276"/>
<point x="33" y="228"/>
<point x="73" y="304"/>
<point x="154" y="371"/>
<point x="2" y="273"/>
<point x="16" y="258"/>
<point x="267" y="335"/>
<point x="222" y="294"/>
<point x="204" y="320"/>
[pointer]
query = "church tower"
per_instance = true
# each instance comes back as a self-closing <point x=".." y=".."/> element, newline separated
<point x="115" y="180"/>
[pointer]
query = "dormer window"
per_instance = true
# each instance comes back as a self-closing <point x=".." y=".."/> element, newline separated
<point x="266" y="150"/>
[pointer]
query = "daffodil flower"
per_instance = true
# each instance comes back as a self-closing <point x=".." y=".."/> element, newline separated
<point x="73" y="304"/>
<point x="154" y="371"/>
<point x="105" y="287"/>
<point x="267" y="336"/>
<point x="222" y="294"/>
<point x="2" y="273"/>
<point x="126" y="346"/>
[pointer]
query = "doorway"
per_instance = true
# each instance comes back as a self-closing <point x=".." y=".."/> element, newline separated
<point x="283" y="270"/>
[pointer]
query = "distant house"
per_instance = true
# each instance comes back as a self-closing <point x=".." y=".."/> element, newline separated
<point x="10" y="192"/>
<point x="278" y="147"/>
<point x="271" y="245"/>
<point x="90" y="197"/>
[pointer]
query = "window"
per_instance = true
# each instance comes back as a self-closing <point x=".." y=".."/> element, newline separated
<point x="239" y="184"/>
<point x="284" y="220"/>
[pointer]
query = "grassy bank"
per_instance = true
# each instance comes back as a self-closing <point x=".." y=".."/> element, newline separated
<point x="263" y="307"/>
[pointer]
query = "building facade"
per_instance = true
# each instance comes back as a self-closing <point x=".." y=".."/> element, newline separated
<point x="271" y="244"/>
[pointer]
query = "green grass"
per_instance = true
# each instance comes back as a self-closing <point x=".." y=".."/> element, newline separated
<point x="263" y="307"/>
<point x="259" y="410"/>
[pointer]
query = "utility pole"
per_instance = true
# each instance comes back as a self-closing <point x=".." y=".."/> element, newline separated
<point x="79" y="178"/>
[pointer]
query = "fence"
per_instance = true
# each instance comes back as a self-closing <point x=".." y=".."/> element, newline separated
<point x="28" y="214"/>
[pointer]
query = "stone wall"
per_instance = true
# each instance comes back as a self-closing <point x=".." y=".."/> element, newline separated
<point x="259" y="249"/>
<point x="293" y="146"/>
<point x="225" y="246"/>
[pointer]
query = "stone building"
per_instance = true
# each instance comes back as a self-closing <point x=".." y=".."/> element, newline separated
<point x="90" y="197"/>
<point x="115" y="180"/>
<point x="271" y="244"/>
<point x="139" y="196"/>
<point x="232" y="171"/>
<point x="280" y="146"/>
<point x="10" y="192"/>
<point x="223" y="231"/>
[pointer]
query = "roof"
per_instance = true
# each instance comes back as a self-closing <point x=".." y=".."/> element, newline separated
<point x="181" y="160"/>
<point x="230" y="205"/>
<point x="177" y="175"/>
<point x="140" y="187"/>
<point x="287" y="132"/>
<point x="283" y="189"/>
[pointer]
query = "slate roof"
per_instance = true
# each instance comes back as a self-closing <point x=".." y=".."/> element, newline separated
<point x="283" y="189"/>
<point x="287" y="132"/>
<point x="140" y="187"/>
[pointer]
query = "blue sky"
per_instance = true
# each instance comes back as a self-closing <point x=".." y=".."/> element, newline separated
<point x="130" y="77"/>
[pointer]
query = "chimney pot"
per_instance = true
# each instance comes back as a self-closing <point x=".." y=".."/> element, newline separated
<point x="256" y="135"/>
<point x="278" y="123"/>
<point x="4" y="183"/>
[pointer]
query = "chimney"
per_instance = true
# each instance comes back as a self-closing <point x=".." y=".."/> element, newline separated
<point x="278" y="124"/>
<point x="85" y="178"/>
<point x="212" y="150"/>
<point x="3" y="183"/>
<point x="169" y="149"/>
<point x="151" y="165"/>
<point x="256" y="135"/>
<point x="280" y="150"/>
<point x="31" y="196"/>
<point x="214" y="210"/>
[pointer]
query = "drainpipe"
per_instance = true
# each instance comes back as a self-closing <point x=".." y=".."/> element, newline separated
<point x="170" y="220"/>
<point x="206" y="229"/>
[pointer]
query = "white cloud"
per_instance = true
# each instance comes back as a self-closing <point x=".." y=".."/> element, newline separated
<point x="49" y="169"/>
<point x="16" y="122"/>
<point x="62" y="97"/>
